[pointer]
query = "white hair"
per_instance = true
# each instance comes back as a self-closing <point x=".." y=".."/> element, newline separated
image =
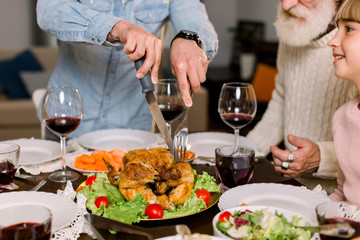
<point x="307" y="25"/>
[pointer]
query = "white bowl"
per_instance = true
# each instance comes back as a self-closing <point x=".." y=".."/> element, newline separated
<point x="287" y="214"/>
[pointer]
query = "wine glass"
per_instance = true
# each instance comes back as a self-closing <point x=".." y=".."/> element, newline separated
<point x="237" y="105"/>
<point x="169" y="99"/>
<point x="62" y="112"/>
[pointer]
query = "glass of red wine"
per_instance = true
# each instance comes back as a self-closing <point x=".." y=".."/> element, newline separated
<point x="62" y="112"/>
<point x="9" y="159"/>
<point x="237" y="105"/>
<point x="234" y="166"/>
<point x="25" y="221"/>
<point x="169" y="99"/>
<point x="331" y="212"/>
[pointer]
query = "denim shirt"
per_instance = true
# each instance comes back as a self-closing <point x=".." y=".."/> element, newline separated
<point x="102" y="72"/>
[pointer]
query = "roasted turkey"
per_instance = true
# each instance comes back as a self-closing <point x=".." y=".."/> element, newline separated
<point x="155" y="175"/>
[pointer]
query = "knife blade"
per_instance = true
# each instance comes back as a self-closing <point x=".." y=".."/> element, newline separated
<point x="102" y="223"/>
<point x="148" y="89"/>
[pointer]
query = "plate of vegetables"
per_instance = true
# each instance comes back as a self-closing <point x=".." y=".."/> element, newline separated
<point x="92" y="162"/>
<point x="261" y="222"/>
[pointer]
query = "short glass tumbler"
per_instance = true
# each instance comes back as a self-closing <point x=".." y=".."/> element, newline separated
<point x="234" y="165"/>
<point x="25" y="222"/>
<point x="9" y="159"/>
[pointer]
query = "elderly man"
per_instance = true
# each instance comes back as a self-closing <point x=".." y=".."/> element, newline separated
<point x="307" y="93"/>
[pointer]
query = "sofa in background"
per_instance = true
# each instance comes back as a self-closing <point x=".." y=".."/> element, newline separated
<point x="18" y="115"/>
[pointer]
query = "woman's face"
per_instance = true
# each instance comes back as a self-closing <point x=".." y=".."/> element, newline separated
<point x="346" y="51"/>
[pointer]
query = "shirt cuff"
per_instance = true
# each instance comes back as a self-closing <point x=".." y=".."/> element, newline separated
<point x="328" y="161"/>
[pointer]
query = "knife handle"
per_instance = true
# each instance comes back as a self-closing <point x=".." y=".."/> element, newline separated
<point x="146" y="82"/>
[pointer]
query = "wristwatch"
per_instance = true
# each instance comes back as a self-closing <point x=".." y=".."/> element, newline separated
<point x="186" y="34"/>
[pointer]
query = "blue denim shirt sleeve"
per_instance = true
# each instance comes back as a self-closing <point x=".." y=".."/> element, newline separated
<point x="191" y="15"/>
<point x="72" y="21"/>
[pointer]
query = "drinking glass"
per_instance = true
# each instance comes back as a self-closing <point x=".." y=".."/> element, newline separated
<point x="170" y="101"/>
<point x="237" y="105"/>
<point x="62" y="112"/>
<point x="9" y="159"/>
<point x="234" y="165"/>
<point x="336" y="212"/>
<point x="25" y="222"/>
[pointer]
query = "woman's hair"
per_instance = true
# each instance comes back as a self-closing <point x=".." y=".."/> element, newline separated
<point x="349" y="11"/>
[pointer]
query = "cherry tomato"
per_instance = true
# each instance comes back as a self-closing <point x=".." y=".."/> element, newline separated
<point x="224" y="216"/>
<point x="90" y="180"/>
<point x="154" y="211"/>
<point x="203" y="194"/>
<point x="101" y="200"/>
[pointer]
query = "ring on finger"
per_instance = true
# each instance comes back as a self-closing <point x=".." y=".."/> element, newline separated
<point x="290" y="157"/>
<point x="285" y="165"/>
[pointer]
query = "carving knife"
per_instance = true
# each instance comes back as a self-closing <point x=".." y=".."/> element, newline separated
<point x="148" y="89"/>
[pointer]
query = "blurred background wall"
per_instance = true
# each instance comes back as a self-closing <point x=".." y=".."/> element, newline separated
<point x="18" y="23"/>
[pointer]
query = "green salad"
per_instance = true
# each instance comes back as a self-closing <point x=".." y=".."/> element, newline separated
<point x="261" y="225"/>
<point x="116" y="207"/>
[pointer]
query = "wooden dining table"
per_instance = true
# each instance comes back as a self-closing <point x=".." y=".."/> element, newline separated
<point x="198" y="223"/>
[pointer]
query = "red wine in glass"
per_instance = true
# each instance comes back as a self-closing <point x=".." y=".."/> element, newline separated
<point x="7" y="173"/>
<point x="237" y="120"/>
<point x="62" y="112"/>
<point x="234" y="165"/>
<point x="354" y="224"/>
<point x="63" y="125"/>
<point x="171" y="112"/>
<point x="27" y="231"/>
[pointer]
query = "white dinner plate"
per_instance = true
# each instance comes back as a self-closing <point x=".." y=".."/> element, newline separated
<point x="287" y="214"/>
<point x="205" y="143"/>
<point x="63" y="209"/>
<point x="35" y="151"/>
<point x="108" y="139"/>
<point x="297" y="199"/>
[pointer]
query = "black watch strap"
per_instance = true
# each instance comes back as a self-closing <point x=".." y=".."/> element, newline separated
<point x="186" y="34"/>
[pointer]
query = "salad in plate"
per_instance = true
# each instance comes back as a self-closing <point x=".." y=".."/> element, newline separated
<point x="261" y="224"/>
<point x="105" y="199"/>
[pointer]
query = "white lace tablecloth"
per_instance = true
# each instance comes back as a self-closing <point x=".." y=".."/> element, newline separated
<point x="78" y="225"/>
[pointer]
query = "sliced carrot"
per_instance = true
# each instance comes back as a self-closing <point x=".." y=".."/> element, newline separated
<point x="87" y="159"/>
<point x="118" y="153"/>
<point x="95" y="162"/>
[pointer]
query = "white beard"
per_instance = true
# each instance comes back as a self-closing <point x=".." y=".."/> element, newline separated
<point x="300" y="32"/>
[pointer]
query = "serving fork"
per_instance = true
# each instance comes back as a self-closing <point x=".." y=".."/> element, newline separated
<point x="181" y="139"/>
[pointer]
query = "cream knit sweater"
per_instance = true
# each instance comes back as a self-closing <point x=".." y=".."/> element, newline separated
<point x="346" y="132"/>
<point x="306" y="96"/>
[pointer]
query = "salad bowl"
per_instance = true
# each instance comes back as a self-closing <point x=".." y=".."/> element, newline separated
<point x="287" y="214"/>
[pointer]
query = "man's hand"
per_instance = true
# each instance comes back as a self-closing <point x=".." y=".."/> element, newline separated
<point x="139" y="42"/>
<point x="189" y="65"/>
<point x="306" y="157"/>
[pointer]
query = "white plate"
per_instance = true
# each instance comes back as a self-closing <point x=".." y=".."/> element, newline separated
<point x="108" y="139"/>
<point x="297" y="199"/>
<point x="63" y="209"/>
<point x="287" y="214"/>
<point x="35" y="151"/>
<point x="205" y="143"/>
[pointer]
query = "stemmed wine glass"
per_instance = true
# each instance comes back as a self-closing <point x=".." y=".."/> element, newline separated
<point x="237" y="105"/>
<point x="169" y="99"/>
<point x="62" y="112"/>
